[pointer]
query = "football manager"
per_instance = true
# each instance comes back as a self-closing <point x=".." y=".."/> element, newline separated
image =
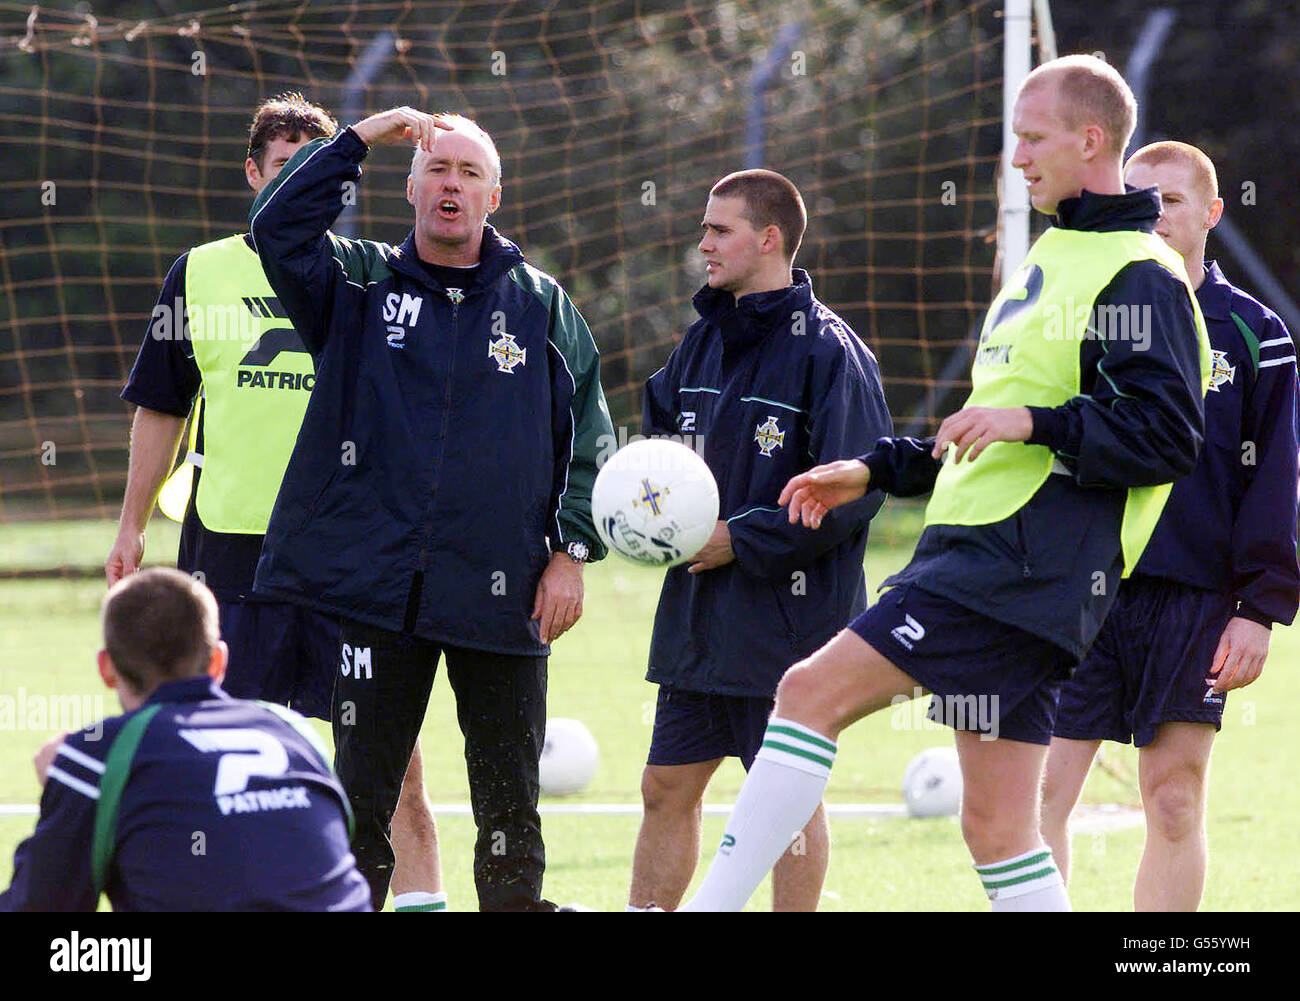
<point x="438" y="498"/>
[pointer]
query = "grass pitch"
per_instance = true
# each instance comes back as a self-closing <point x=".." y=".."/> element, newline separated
<point x="49" y="635"/>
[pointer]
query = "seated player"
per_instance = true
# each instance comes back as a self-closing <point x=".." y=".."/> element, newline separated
<point x="1059" y="466"/>
<point x="1193" y="621"/>
<point x="191" y="800"/>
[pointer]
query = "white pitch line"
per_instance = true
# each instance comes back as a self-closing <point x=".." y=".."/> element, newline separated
<point x="1087" y="819"/>
<point x="608" y="809"/>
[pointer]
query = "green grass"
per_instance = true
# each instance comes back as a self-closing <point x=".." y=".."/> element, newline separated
<point x="49" y="635"/>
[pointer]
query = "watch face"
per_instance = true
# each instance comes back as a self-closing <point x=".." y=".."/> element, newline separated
<point x="578" y="551"/>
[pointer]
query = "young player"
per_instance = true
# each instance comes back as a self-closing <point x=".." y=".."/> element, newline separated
<point x="252" y="393"/>
<point x="191" y="800"/>
<point x="1057" y="468"/>
<point x="1193" y="621"/>
<point x="454" y="352"/>
<point x="770" y="382"/>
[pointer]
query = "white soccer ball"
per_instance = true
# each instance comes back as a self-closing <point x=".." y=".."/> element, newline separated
<point x="569" y="757"/>
<point x="655" y="502"/>
<point x="932" y="783"/>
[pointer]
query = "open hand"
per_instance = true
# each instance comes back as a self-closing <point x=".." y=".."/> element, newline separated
<point x="814" y="492"/>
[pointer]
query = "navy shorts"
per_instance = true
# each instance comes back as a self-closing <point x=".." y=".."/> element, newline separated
<point x="696" y="726"/>
<point x="986" y="676"/>
<point x="280" y="652"/>
<point x="1149" y="665"/>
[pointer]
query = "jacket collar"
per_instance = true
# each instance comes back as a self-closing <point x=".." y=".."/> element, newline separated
<point x="200" y="689"/>
<point x="1136" y="209"/>
<point x="498" y="255"/>
<point x="757" y="314"/>
<point x="1215" y="293"/>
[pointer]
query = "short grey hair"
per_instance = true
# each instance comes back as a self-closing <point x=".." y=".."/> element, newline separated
<point x="463" y="124"/>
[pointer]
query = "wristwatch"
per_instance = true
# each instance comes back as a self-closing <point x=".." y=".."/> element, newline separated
<point x="577" y="552"/>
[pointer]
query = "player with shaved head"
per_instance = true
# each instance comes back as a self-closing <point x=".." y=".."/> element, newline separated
<point x="1086" y="403"/>
<point x="1192" y="622"/>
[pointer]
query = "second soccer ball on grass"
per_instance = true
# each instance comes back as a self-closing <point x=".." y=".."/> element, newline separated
<point x="569" y="757"/>
<point x="932" y="783"/>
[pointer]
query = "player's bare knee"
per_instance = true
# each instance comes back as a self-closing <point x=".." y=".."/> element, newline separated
<point x="1174" y="804"/>
<point x="798" y="695"/>
<point x="664" y="790"/>
<point x="990" y="832"/>
<point x="1057" y="805"/>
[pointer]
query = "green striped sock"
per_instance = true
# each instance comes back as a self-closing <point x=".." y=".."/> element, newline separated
<point x="1032" y="875"/>
<point x="797" y="746"/>
<point x="417" y="900"/>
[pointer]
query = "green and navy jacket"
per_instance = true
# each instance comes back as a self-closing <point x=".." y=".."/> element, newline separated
<point x="193" y="802"/>
<point x="1053" y="567"/>
<point x="1230" y="525"/>
<point x="764" y="389"/>
<point x="451" y="439"/>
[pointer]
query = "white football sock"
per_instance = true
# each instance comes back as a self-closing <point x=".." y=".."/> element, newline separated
<point x="783" y="788"/>
<point x="418" y="900"/>
<point x="1028" y="882"/>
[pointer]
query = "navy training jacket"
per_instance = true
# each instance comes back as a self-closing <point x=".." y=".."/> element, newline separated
<point x="449" y="436"/>
<point x="273" y="818"/>
<point x="769" y="387"/>
<point x="1230" y="525"/>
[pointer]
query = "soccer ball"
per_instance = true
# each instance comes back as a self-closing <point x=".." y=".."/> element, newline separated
<point x="655" y="502"/>
<point x="932" y="783"/>
<point x="569" y="757"/>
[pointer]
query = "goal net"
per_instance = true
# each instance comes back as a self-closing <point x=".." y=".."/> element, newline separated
<point x="123" y="140"/>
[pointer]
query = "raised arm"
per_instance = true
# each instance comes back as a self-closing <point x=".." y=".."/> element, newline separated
<point x="310" y="269"/>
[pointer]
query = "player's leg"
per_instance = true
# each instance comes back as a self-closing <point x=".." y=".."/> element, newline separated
<point x="1068" y="762"/>
<point x="690" y="738"/>
<point x="838" y="685"/>
<point x="380" y="696"/>
<point x="1000" y="823"/>
<point x="1174" y="772"/>
<point x="1174" y="718"/>
<point x="1094" y="706"/>
<point x="668" y="843"/>
<point x="417" y="870"/>
<point x="501" y="707"/>
<point x="800" y="874"/>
